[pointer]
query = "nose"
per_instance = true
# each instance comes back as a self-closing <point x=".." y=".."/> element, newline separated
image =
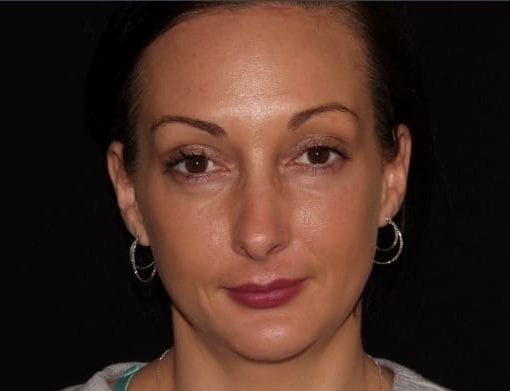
<point x="261" y="227"/>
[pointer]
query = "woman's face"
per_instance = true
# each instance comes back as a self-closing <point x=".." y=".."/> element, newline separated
<point x="260" y="185"/>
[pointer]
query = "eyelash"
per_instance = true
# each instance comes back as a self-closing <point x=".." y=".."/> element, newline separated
<point x="328" y="145"/>
<point x="181" y="156"/>
<point x="185" y="153"/>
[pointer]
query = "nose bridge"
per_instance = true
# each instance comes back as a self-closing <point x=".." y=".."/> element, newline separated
<point x="261" y="226"/>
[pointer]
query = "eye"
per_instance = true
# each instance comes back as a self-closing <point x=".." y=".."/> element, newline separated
<point x="192" y="164"/>
<point x="318" y="155"/>
<point x="196" y="164"/>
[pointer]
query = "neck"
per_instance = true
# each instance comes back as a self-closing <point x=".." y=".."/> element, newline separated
<point x="336" y="362"/>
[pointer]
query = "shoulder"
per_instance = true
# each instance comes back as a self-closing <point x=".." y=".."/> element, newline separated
<point x="105" y="379"/>
<point x="406" y="379"/>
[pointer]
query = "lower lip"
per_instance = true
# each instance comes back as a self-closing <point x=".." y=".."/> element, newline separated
<point x="262" y="299"/>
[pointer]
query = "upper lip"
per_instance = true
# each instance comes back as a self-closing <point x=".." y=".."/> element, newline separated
<point x="252" y="287"/>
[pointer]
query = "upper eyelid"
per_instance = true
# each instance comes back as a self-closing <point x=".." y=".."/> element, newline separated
<point x="326" y="142"/>
<point x="321" y="140"/>
<point x="192" y="150"/>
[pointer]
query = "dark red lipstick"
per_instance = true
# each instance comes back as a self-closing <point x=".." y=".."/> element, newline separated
<point x="262" y="296"/>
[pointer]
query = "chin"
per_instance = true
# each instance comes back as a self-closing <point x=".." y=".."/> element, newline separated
<point x="272" y="344"/>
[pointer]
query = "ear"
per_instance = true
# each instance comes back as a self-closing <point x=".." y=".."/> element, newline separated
<point x="395" y="177"/>
<point x="125" y="191"/>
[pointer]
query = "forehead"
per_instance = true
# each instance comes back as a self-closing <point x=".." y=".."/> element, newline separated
<point x="251" y="57"/>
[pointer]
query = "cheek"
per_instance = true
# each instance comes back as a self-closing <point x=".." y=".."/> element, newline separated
<point x="346" y="211"/>
<point x="187" y="238"/>
<point x="337" y="224"/>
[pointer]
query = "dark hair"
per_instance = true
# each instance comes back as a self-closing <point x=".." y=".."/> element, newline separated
<point x="393" y="71"/>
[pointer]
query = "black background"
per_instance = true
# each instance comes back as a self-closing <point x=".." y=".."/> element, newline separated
<point x="70" y="306"/>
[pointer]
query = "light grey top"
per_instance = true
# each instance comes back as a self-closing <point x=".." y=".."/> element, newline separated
<point x="404" y="378"/>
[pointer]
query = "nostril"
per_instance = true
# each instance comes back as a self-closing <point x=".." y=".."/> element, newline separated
<point x="259" y="246"/>
<point x="260" y="253"/>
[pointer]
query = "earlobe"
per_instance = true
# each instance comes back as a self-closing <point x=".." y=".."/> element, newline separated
<point x="395" y="176"/>
<point x="125" y="192"/>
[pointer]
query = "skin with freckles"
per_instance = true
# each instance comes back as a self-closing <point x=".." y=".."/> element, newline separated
<point x="258" y="162"/>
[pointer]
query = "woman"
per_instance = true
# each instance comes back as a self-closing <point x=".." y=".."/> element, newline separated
<point x="257" y="148"/>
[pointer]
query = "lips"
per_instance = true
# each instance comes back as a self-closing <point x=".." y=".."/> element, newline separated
<point x="270" y="295"/>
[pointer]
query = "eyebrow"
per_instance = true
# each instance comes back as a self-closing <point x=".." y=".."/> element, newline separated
<point x="300" y="118"/>
<point x="206" y="126"/>
<point x="295" y="122"/>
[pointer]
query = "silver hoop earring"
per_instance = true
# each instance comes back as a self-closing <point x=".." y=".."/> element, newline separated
<point x="137" y="269"/>
<point x="397" y="241"/>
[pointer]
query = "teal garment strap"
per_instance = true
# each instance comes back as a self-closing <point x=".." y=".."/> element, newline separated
<point x="123" y="383"/>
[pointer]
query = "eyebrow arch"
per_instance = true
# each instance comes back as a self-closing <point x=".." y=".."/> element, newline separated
<point x="206" y="126"/>
<point x="299" y="118"/>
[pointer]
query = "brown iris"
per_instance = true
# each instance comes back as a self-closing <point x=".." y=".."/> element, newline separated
<point x="196" y="164"/>
<point x="318" y="155"/>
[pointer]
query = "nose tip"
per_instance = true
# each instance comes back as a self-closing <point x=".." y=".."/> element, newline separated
<point x="261" y="227"/>
<point x="260" y="246"/>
